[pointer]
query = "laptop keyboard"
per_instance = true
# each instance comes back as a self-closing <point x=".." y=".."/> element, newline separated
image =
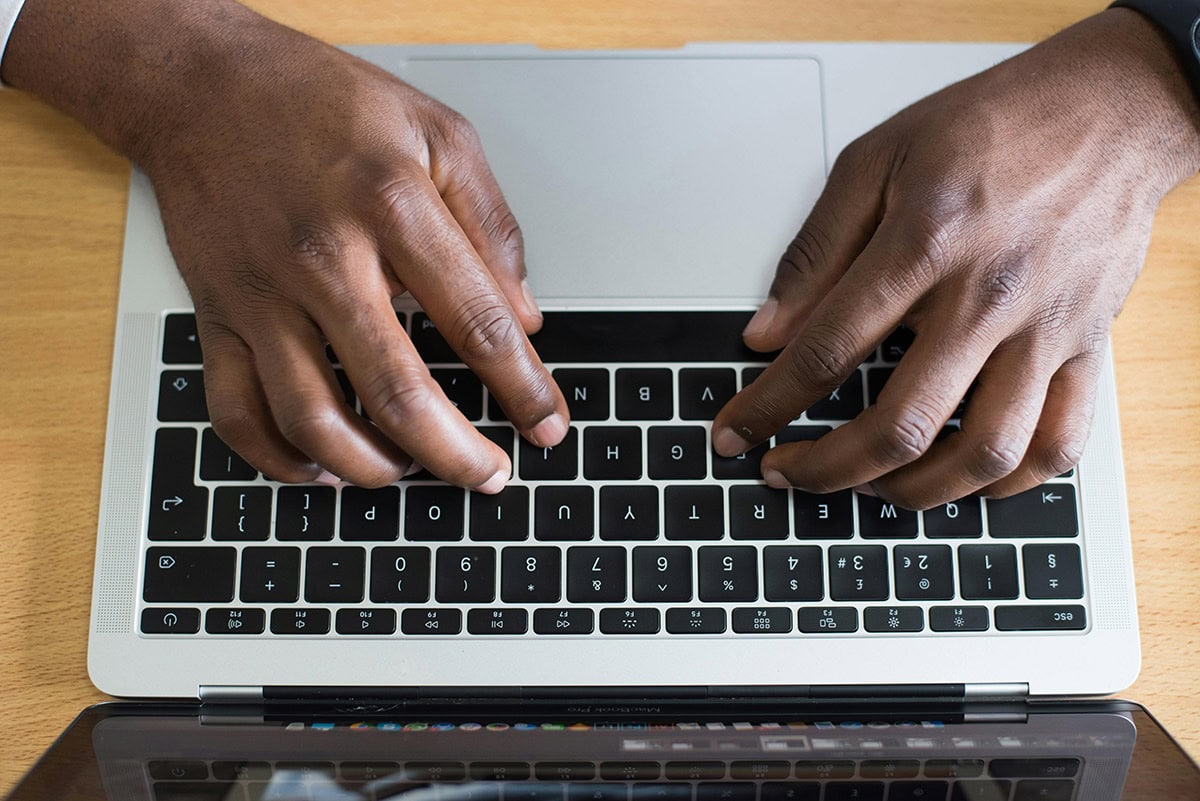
<point x="975" y="779"/>
<point x="632" y="527"/>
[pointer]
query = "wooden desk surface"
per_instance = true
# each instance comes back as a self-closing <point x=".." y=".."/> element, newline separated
<point x="62" y="202"/>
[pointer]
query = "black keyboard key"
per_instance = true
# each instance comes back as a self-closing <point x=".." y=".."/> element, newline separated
<point x="429" y="342"/>
<point x="879" y="519"/>
<point x="694" y="512"/>
<point x="1066" y="617"/>
<point x="367" y="771"/>
<point x="961" y="519"/>
<point x="917" y="791"/>
<point x="726" y="791"/>
<point x="760" y="769"/>
<point x="334" y="575"/>
<point x="1045" y="790"/>
<point x="497" y="622"/>
<point x="181" y="397"/>
<point x="877" y="378"/>
<point x="762" y="620"/>
<point x="178" y="508"/>
<point x="844" y="403"/>
<point x="170" y="620"/>
<point x="801" y="433"/>
<point x="560" y="463"/>
<point x="181" y="345"/>
<point x="791" y="791"/>
<point x="235" y="621"/>
<point x="662" y="574"/>
<point x="825" y="769"/>
<point x="299" y="621"/>
<point x="431" y="621"/>
<point x="1045" y="511"/>
<point x="563" y="513"/>
<point x="674" y="452"/>
<point x="241" y="513"/>
<point x="893" y="619"/>
<point x="433" y="514"/>
<point x="923" y="572"/>
<point x="694" y="771"/>
<point x="366" y="621"/>
<point x="629" y="513"/>
<point x="854" y="791"/>
<point x="630" y="620"/>
<point x="596" y="575"/>
<point x="704" y="620"/>
<point x="746" y="465"/>
<point x="896" y="345"/>
<point x="370" y="514"/>
<point x="399" y="575"/>
<point x="987" y="572"/>
<point x="219" y="462"/>
<point x="503" y="517"/>
<point x="586" y="391"/>
<point x="563" y="621"/>
<point x="189" y="575"/>
<point x="958" y="618"/>
<point x="644" y="394"/>
<point x="981" y="790"/>
<point x="1052" y="572"/>
<point x="703" y="391"/>
<point x="465" y="576"/>
<point x="270" y="575"/>
<point x="727" y="574"/>
<point x="612" y="452"/>
<point x="821" y="517"/>
<point x="530" y="575"/>
<point x="304" y="513"/>
<point x="793" y="573"/>
<point x="243" y="770"/>
<point x="463" y="389"/>
<point x="758" y="513"/>
<point x="1035" y="768"/>
<point x="858" y="573"/>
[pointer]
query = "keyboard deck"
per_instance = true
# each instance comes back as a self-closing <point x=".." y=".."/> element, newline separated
<point x="632" y="527"/>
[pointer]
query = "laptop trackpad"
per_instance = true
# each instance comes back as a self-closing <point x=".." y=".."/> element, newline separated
<point x="673" y="178"/>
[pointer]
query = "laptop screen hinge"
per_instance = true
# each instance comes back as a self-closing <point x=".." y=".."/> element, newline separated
<point x="980" y="692"/>
<point x="230" y="694"/>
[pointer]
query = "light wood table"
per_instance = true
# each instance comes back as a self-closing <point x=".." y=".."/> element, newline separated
<point x="62" y="201"/>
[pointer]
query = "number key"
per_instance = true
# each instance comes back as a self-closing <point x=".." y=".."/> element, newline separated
<point x="465" y="575"/>
<point x="530" y="575"/>
<point x="662" y="574"/>
<point x="858" y="573"/>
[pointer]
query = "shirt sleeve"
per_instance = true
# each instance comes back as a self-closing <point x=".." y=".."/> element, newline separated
<point x="9" y="9"/>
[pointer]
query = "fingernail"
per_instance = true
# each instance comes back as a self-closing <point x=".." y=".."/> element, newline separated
<point x="327" y="478"/>
<point x="529" y="300"/>
<point x="866" y="489"/>
<point x="494" y="484"/>
<point x="413" y="469"/>
<point x="550" y="431"/>
<point x="727" y="443"/>
<point x="776" y="480"/>
<point x="761" y="320"/>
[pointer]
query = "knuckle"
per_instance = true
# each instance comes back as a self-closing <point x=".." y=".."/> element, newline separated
<point x="992" y="456"/>
<point x="821" y="358"/>
<point x="457" y="131"/>
<point x="1062" y="452"/>
<point x="232" y="420"/>
<point x="485" y="331"/>
<point x="394" y="399"/>
<point x="311" y="244"/>
<point x="501" y="228"/>
<point x="931" y="237"/>
<point x="905" y="433"/>
<point x="810" y="248"/>
<point x="1002" y="288"/>
<point x="307" y="422"/>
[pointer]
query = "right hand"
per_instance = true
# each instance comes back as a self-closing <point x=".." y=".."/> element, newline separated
<point x="301" y="192"/>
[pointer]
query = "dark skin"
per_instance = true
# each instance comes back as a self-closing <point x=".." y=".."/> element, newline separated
<point x="1003" y="219"/>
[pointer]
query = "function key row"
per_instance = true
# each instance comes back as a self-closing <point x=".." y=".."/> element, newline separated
<point x="628" y="621"/>
<point x="610" y="574"/>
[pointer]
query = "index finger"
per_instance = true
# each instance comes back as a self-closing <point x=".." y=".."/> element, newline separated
<point x="868" y="303"/>
<point x="431" y="255"/>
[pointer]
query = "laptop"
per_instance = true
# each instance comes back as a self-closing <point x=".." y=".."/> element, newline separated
<point x="656" y="190"/>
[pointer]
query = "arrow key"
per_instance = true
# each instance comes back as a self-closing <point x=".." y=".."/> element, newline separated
<point x="180" y="343"/>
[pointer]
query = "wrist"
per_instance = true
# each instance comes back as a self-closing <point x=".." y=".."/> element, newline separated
<point x="135" y="72"/>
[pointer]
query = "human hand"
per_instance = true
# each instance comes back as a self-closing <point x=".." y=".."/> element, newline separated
<point x="301" y="190"/>
<point x="1003" y="220"/>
